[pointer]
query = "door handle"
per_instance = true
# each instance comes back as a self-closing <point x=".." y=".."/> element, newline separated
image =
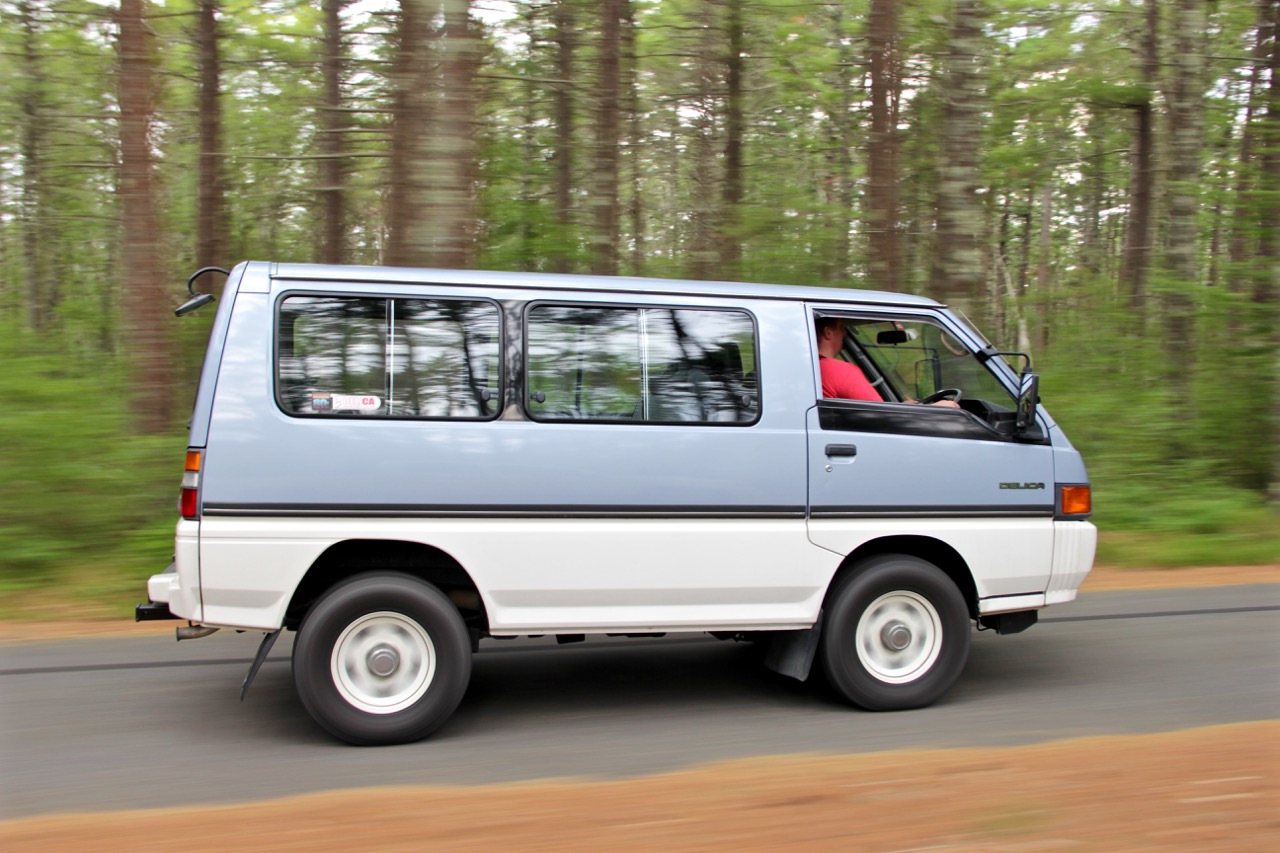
<point x="842" y="450"/>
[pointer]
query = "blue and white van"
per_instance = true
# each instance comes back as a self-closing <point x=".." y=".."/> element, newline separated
<point x="397" y="464"/>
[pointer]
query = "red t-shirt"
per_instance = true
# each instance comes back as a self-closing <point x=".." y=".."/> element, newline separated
<point x="845" y="381"/>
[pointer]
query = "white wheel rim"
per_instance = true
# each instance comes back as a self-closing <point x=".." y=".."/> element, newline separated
<point x="383" y="662"/>
<point x="899" y="637"/>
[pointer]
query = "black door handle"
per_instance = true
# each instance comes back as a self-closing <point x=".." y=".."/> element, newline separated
<point x="842" y="450"/>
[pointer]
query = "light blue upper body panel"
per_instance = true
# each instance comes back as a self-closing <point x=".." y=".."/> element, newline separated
<point x="261" y="459"/>
<point x="526" y="282"/>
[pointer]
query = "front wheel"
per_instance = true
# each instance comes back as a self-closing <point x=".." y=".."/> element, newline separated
<point x="382" y="658"/>
<point x="895" y="634"/>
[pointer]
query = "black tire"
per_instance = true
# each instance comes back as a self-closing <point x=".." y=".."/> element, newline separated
<point x="885" y="602"/>
<point x="406" y="659"/>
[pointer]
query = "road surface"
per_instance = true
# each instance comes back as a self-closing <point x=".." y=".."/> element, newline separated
<point x="142" y="722"/>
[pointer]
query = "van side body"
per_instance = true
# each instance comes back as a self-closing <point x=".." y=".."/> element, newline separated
<point x="571" y="455"/>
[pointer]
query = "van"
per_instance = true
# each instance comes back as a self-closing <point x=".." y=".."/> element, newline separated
<point x="398" y="464"/>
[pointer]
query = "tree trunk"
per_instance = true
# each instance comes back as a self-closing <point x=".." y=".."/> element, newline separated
<point x="1267" y="280"/>
<point x="884" y="233"/>
<point x="957" y="264"/>
<point x="451" y="156"/>
<point x="333" y="168"/>
<point x="842" y="142"/>
<point x="635" y="137"/>
<point x="146" y="298"/>
<point x="702" y="254"/>
<point x="407" y="242"/>
<point x="565" y="42"/>
<point x="1044" y="264"/>
<point x="1135" y="259"/>
<point x="604" y="194"/>
<point x="211" y="228"/>
<point x="30" y="95"/>
<point x="730" y="237"/>
<point x="1181" y="255"/>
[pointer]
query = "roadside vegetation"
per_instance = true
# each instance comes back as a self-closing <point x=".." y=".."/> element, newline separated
<point x="1092" y="184"/>
<point x="88" y="504"/>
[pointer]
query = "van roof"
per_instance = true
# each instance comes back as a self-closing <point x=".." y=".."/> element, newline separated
<point x="619" y="284"/>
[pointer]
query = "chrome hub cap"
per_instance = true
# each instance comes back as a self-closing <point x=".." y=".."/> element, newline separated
<point x="896" y="636"/>
<point x="383" y="662"/>
<point x="899" y="637"/>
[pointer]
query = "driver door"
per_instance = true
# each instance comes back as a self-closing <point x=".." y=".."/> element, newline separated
<point x="898" y="467"/>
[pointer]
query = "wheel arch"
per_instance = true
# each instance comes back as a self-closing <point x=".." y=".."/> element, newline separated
<point x="351" y="557"/>
<point x="928" y="548"/>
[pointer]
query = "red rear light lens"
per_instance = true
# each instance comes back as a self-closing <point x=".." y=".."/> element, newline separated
<point x="190" y="485"/>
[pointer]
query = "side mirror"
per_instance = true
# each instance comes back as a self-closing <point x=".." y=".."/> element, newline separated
<point x="197" y="300"/>
<point x="1028" y="399"/>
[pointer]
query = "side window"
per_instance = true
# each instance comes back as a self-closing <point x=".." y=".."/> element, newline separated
<point x="387" y="357"/>
<point x="917" y="358"/>
<point x="652" y="365"/>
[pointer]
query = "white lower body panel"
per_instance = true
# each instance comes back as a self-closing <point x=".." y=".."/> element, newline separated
<point x="547" y="575"/>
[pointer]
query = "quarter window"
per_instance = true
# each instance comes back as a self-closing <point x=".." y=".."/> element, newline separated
<point x="653" y="365"/>
<point x="388" y="357"/>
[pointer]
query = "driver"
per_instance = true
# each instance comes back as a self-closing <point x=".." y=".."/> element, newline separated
<point x="842" y="380"/>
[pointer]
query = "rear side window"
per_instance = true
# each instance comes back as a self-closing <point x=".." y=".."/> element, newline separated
<point x="388" y="357"/>
<point x="649" y="365"/>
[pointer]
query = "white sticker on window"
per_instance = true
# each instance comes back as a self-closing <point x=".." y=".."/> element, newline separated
<point x="345" y="403"/>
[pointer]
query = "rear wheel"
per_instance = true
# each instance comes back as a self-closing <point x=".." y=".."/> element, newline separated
<point x="895" y="634"/>
<point x="382" y="658"/>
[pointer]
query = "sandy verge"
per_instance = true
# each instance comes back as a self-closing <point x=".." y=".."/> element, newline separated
<point x="1204" y="789"/>
<point x="1100" y="579"/>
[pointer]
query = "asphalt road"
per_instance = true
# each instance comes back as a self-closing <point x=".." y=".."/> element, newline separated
<point x="104" y="724"/>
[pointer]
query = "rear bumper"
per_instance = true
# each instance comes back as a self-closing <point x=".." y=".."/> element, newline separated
<point x="159" y="591"/>
<point x="175" y="592"/>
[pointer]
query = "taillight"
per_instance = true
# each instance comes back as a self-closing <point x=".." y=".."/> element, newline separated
<point x="1075" y="500"/>
<point x="190" y="485"/>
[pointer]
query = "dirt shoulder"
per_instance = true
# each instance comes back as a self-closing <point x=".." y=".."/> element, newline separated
<point x="1204" y="789"/>
<point x="1101" y="579"/>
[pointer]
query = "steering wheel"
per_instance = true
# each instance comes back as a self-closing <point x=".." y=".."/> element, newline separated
<point x="944" y="394"/>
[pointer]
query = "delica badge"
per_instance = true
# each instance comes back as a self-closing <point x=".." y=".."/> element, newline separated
<point x="345" y="403"/>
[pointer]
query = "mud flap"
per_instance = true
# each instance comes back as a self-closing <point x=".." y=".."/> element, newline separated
<point x="791" y="652"/>
<point x="268" y="641"/>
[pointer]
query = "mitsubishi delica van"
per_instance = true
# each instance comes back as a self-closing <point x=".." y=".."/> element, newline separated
<point x="398" y="464"/>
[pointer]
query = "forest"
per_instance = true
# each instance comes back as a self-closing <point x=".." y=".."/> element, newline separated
<point x="1093" y="182"/>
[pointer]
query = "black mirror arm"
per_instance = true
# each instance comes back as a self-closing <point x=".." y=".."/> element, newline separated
<point x="197" y="300"/>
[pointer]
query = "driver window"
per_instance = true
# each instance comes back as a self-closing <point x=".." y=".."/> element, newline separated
<point x="916" y="359"/>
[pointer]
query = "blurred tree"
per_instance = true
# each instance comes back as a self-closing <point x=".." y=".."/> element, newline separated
<point x="211" y="224"/>
<point x="332" y="245"/>
<point x="884" y="262"/>
<point x="957" y="261"/>
<point x="146" y="296"/>
<point x="604" y="189"/>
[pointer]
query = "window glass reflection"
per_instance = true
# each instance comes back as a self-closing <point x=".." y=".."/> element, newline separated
<point x="389" y="357"/>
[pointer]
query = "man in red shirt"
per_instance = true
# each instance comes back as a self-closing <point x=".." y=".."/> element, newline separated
<point x="840" y="379"/>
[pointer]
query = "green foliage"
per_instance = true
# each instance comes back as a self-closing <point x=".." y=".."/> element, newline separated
<point x="1177" y="480"/>
<point x="80" y="495"/>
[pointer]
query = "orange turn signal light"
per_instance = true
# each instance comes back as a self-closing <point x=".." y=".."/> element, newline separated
<point x="1075" y="500"/>
<point x="193" y="461"/>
